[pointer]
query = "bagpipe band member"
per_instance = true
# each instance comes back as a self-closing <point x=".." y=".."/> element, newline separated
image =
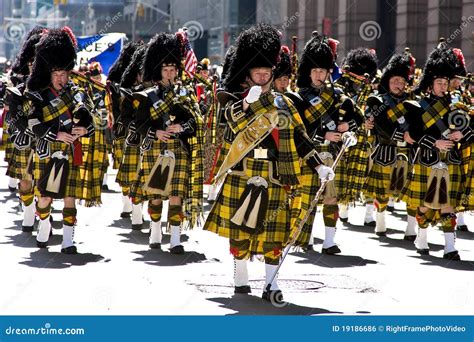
<point x="168" y="118"/>
<point x="359" y="70"/>
<point x="20" y="165"/>
<point x="435" y="185"/>
<point x="58" y="119"/>
<point x="327" y="113"/>
<point x="390" y="115"/>
<point x="265" y="138"/>
<point x="132" y="80"/>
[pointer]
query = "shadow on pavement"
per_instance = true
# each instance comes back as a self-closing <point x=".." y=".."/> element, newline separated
<point x="158" y="257"/>
<point x="56" y="260"/>
<point x="254" y="305"/>
<point x="324" y="260"/>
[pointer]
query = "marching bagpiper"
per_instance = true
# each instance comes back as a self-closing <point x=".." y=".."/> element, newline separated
<point x="358" y="74"/>
<point x="120" y="128"/>
<point x="171" y="166"/>
<point x="132" y="80"/>
<point x="265" y="138"/>
<point x="390" y="157"/>
<point x="282" y="73"/>
<point x="20" y="163"/>
<point x="327" y="113"/>
<point x="58" y="119"/>
<point x="435" y="185"/>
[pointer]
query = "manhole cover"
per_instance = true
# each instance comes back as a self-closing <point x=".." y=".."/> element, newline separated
<point x="222" y="285"/>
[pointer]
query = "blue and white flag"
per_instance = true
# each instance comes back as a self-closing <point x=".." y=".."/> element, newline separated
<point x="102" y="48"/>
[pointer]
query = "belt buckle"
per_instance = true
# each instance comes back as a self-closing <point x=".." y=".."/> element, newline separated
<point x="260" y="153"/>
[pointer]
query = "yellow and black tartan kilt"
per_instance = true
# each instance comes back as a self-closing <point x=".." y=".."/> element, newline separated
<point x="181" y="173"/>
<point x="378" y="183"/>
<point x="128" y="169"/>
<point x="357" y="165"/>
<point x="94" y="166"/>
<point x="117" y="152"/>
<point x="310" y="185"/>
<point x="74" y="183"/>
<point x="416" y="186"/>
<point x="468" y="197"/>
<point x="277" y="217"/>
<point x="20" y="163"/>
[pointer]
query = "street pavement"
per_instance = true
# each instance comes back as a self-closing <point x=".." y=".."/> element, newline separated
<point x="116" y="273"/>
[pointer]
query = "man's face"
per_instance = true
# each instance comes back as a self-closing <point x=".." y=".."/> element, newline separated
<point x="318" y="76"/>
<point x="169" y="73"/>
<point x="59" y="79"/>
<point x="440" y="86"/>
<point x="397" y="85"/>
<point x="455" y="83"/>
<point x="281" y="83"/>
<point x="260" y="76"/>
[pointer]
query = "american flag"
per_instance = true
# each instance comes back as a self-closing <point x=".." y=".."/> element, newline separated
<point x="191" y="61"/>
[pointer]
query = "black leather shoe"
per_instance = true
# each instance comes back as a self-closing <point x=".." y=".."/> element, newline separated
<point x="105" y="187"/>
<point x="454" y="255"/>
<point x="423" y="251"/>
<point x="462" y="228"/>
<point x="155" y="245"/>
<point x="12" y="189"/>
<point x="381" y="233"/>
<point x="344" y="220"/>
<point x="27" y="229"/>
<point x="69" y="250"/>
<point x="137" y="226"/>
<point x="409" y="237"/>
<point x="370" y="224"/>
<point x="41" y="244"/>
<point x="391" y="209"/>
<point x="126" y="215"/>
<point x="331" y="250"/>
<point x="274" y="297"/>
<point x="177" y="250"/>
<point x="308" y="248"/>
<point x="245" y="289"/>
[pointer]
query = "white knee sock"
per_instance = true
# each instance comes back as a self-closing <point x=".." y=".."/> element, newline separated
<point x="155" y="232"/>
<point x="44" y="228"/>
<point x="68" y="236"/>
<point x="175" y="236"/>
<point x="329" y="234"/>
<point x="241" y="272"/>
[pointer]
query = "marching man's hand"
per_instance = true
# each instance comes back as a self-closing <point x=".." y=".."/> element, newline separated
<point x="325" y="173"/>
<point x="253" y="95"/>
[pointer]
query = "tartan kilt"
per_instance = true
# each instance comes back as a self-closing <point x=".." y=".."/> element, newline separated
<point x="181" y="173"/>
<point x="310" y="185"/>
<point x="127" y="172"/>
<point x="468" y="197"/>
<point x="416" y="186"/>
<point x="358" y="164"/>
<point x="74" y="183"/>
<point x="117" y="152"/>
<point x="94" y="166"/>
<point x="277" y="217"/>
<point x="378" y="182"/>
<point x="19" y="164"/>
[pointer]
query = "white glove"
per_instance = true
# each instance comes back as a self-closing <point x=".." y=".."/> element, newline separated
<point x="254" y="94"/>
<point x="325" y="173"/>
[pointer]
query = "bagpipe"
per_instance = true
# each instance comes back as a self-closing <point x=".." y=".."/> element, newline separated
<point x="294" y="63"/>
